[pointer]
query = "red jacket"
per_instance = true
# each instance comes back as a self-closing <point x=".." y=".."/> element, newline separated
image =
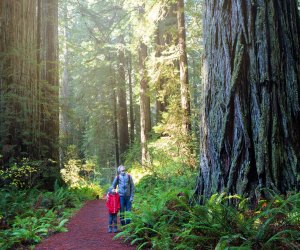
<point x="113" y="203"/>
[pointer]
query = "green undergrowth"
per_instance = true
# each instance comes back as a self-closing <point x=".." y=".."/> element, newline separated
<point x="165" y="217"/>
<point x="26" y="216"/>
<point x="165" y="214"/>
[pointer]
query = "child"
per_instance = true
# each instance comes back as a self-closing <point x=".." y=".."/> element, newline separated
<point x="113" y="206"/>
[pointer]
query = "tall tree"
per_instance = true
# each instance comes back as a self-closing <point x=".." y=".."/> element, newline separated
<point x="115" y="115"/>
<point x="122" y="103"/>
<point x="165" y="40"/>
<point x="48" y="63"/>
<point x="251" y="108"/>
<point x="65" y="78"/>
<point x="183" y="68"/>
<point x="18" y="67"/>
<point x="29" y="82"/>
<point x="159" y="105"/>
<point x="131" y="104"/>
<point x="144" y="103"/>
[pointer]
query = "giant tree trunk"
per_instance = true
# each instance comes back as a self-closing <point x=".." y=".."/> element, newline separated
<point x="18" y="116"/>
<point x="48" y="73"/>
<point x="26" y="89"/>
<point x="250" y="136"/>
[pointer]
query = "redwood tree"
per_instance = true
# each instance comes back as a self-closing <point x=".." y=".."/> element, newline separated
<point x="114" y="115"/>
<point x="183" y="68"/>
<point x="122" y="104"/>
<point x="144" y="103"/>
<point x="250" y="119"/>
<point x="28" y="79"/>
<point x="48" y="66"/>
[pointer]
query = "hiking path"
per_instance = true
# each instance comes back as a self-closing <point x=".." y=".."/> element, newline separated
<point x="87" y="230"/>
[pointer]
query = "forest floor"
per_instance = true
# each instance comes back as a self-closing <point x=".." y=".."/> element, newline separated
<point x="87" y="230"/>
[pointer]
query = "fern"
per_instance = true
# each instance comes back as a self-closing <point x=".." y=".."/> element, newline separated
<point x="31" y="214"/>
<point x="170" y="222"/>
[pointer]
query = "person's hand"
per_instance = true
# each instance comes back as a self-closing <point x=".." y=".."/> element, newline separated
<point x="131" y="199"/>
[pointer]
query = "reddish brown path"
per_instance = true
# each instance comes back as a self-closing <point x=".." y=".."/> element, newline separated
<point x="87" y="230"/>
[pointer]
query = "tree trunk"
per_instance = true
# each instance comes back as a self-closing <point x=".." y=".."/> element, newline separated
<point x="17" y="76"/>
<point x="117" y="151"/>
<point x="160" y="101"/>
<point x="48" y="57"/>
<point x="144" y="103"/>
<point x="183" y="69"/>
<point x="115" y="114"/>
<point x="165" y="37"/>
<point x="65" y="88"/>
<point x="122" y="105"/>
<point x="131" y="114"/>
<point x="22" y="82"/>
<point x="250" y="137"/>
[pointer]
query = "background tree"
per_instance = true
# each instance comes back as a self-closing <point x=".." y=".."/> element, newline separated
<point x="97" y="82"/>
<point x="65" y="93"/>
<point x="131" y="103"/>
<point x="183" y="68"/>
<point x="168" y="71"/>
<point x="29" y="80"/>
<point x="48" y="67"/>
<point x="104" y="50"/>
<point x="122" y="101"/>
<point x="251" y="108"/>
<point x="144" y="103"/>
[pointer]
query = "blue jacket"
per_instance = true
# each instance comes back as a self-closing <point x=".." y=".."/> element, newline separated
<point x="125" y="185"/>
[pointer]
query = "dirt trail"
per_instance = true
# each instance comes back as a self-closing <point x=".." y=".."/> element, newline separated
<point x="87" y="230"/>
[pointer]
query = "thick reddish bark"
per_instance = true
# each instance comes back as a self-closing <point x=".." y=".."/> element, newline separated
<point x="29" y="77"/>
<point x="251" y="98"/>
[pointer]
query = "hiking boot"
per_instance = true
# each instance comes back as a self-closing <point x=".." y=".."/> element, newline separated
<point x="110" y="229"/>
<point x="115" y="229"/>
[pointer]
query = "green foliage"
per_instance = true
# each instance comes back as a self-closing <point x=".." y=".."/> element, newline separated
<point x="27" y="216"/>
<point x="91" y="66"/>
<point x="133" y="154"/>
<point x="25" y="173"/>
<point x="87" y="105"/>
<point x="89" y="191"/>
<point x="76" y="172"/>
<point x="164" y="218"/>
<point x="19" y="176"/>
<point x="70" y="173"/>
<point x="167" y="159"/>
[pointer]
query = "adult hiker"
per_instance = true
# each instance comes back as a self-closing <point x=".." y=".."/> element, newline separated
<point x="126" y="192"/>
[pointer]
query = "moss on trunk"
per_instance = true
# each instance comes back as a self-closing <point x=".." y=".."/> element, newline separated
<point x="250" y="115"/>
